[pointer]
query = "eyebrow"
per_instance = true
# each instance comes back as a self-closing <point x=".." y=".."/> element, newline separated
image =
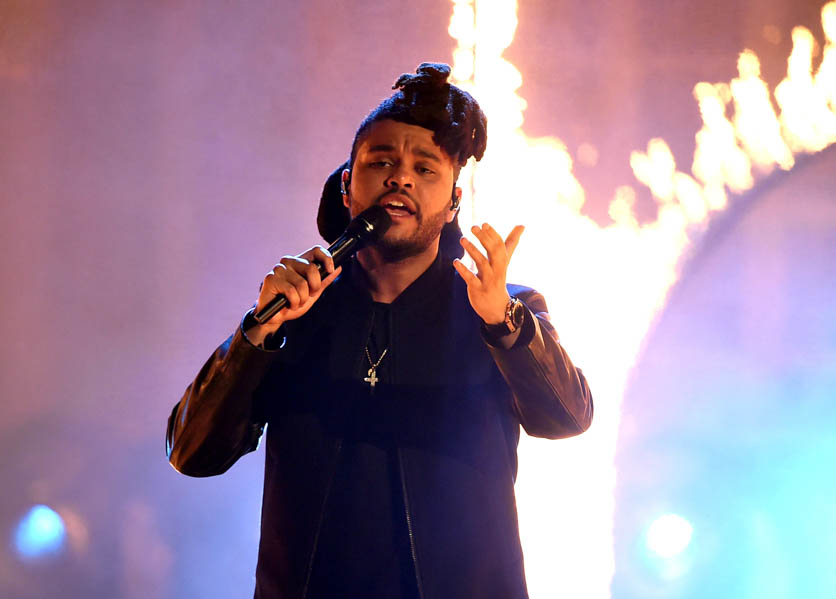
<point x="417" y="151"/>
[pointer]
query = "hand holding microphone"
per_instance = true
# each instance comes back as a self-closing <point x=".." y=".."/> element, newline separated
<point x="299" y="282"/>
<point x="296" y="282"/>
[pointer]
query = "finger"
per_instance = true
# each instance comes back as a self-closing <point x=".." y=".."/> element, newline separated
<point x="311" y="273"/>
<point x="293" y="262"/>
<point x="277" y="268"/>
<point x="513" y="240"/>
<point x="299" y="283"/>
<point x="489" y="238"/>
<point x="308" y="270"/>
<point x="282" y="287"/>
<point x="322" y="256"/>
<point x="482" y="264"/>
<point x="271" y="279"/>
<point x="494" y="247"/>
<point x="466" y="273"/>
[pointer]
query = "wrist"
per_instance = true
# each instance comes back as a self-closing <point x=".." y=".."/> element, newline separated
<point x="259" y="334"/>
<point x="497" y="315"/>
<point x="510" y="321"/>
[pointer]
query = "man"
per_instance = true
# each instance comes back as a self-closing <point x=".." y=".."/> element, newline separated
<point x="395" y="386"/>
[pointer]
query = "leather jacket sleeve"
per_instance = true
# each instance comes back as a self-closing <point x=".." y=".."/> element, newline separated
<point x="214" y="422"/>
<point x="551" y="396"/>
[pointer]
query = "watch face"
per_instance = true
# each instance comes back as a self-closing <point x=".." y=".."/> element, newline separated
<point x="517" y="313"/>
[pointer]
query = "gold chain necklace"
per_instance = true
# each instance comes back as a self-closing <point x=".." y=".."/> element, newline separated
<point x="371" y="379"/>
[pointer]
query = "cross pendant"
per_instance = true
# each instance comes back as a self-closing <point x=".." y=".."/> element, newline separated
<point x="372" y="378"/>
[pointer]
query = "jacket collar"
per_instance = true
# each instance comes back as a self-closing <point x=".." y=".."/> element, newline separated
<point x="422" y="291"/>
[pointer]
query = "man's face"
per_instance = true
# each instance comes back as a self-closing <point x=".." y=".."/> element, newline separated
<point x="400" y="167"/>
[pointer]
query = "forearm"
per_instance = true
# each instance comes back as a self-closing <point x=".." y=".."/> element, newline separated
<point x="214" y="423"/>
<point x="551" y="395"/>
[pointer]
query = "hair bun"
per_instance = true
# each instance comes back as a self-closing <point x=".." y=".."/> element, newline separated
<point x="431" y="74"/>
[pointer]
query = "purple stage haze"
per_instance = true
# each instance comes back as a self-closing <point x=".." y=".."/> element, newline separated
<point x="156" y="160"/>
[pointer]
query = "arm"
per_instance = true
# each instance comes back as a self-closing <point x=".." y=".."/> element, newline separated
<point x="551" y="395"/>
<point x="214" y="424"/>
<point x="216" y="421"/>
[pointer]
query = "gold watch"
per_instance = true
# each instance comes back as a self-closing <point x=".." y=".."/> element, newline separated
<point x="514" y="316"/>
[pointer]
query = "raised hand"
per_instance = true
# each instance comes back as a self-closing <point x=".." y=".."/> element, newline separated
<point x="486" y="287"/>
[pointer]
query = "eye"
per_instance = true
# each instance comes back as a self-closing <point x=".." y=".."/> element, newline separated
<point x="380" y="163"/>
<point x="425" y="171"/>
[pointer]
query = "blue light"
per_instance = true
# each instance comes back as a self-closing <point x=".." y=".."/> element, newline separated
<point x="40" y="533"/>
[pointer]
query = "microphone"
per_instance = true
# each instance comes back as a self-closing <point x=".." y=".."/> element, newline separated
<point x="368" y="226"/>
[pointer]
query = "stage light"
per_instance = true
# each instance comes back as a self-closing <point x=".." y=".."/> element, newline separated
<point x="40" y="533"/>
<point x="669" y="535"/>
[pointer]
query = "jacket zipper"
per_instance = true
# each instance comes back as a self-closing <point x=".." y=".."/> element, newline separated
<point x="413" y="552"/>
<point x="337" y="452"/>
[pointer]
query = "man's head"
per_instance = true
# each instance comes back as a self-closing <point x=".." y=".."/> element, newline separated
<point x="400" y="167"/>
<point x="411" y="146"/>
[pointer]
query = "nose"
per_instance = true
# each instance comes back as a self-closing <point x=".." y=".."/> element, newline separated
<point x="399" y="178"/>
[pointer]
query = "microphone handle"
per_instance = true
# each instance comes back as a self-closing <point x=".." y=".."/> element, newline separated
<point x="339" y="250"/>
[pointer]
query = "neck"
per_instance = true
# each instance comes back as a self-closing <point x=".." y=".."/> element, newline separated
<point x="388" y="279"/>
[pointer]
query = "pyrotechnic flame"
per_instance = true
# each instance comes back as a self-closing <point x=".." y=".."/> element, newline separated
<point x="719" y="161"/>
<point x="755" y="121"/>
<point x="808" y="123"/>
<point x="605" y="284"/>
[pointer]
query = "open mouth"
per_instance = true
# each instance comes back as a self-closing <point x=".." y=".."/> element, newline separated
<point x="396" y="208"/>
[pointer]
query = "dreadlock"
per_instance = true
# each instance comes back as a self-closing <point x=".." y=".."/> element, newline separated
<point x="425" y="99"/>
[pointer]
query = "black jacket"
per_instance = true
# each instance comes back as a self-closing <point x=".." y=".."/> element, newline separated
<point x="454" y="407"/>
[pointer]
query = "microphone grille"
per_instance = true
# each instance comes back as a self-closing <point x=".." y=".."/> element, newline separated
<point x="370" y="224"/>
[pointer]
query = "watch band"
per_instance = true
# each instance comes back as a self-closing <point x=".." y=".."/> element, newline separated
<point x="514" y="316"/>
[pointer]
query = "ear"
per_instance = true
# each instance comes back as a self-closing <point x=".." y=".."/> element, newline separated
<point x="345" y="182"/>
<point x="455" y="201"/>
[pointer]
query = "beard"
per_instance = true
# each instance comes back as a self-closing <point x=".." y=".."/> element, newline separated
<point x="427" y="232"/>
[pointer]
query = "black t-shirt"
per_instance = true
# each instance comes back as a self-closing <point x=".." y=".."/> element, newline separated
<point x="364" y="548"/>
